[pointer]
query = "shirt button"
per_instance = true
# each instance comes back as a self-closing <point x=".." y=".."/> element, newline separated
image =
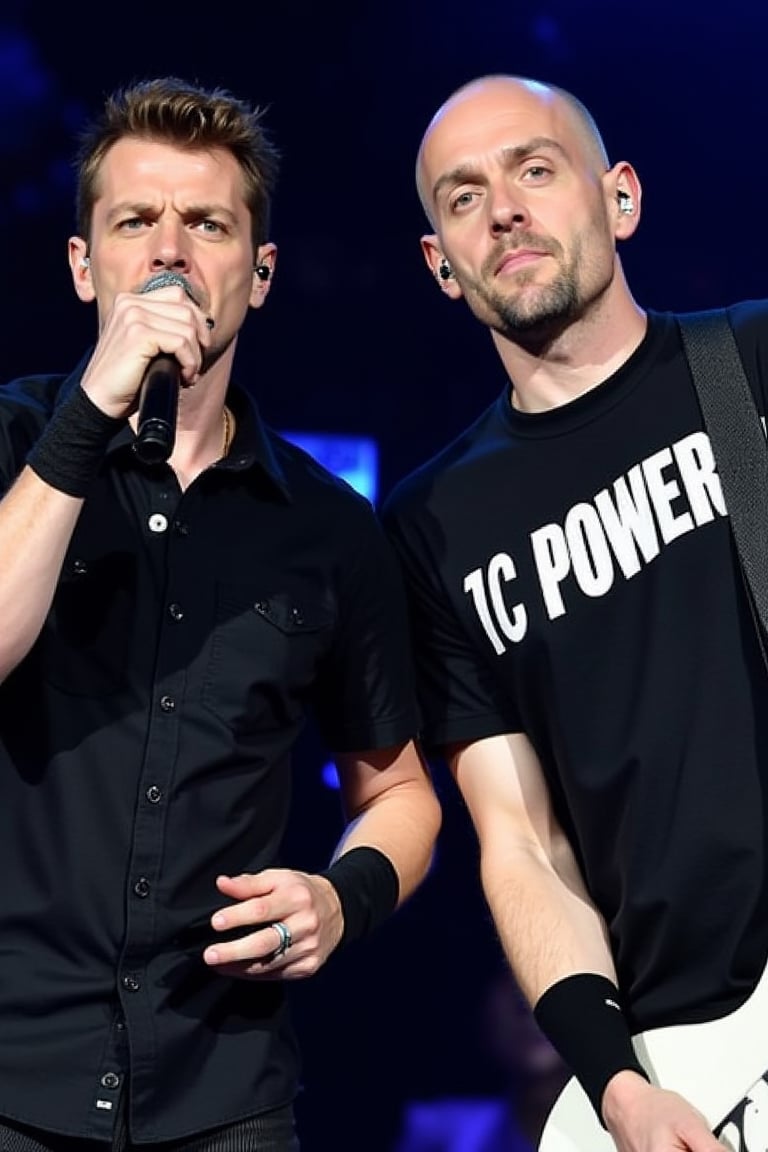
<point x="130" y="983"/>
<point x="181" y="528"/>
<point x="80" y="568"/>
<point x="297" y="616"/>
<point x="153" y="794"/>
<point x="175" y="611"/>
<point x="167" y="703"/>
<point x="157" y="522"/>
<point x="262" y="607"/>
<point x="141" y="887"/>
<point x="110" y="1080"/>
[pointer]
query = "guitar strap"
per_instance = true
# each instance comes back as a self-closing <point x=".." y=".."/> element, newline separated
<point x="739" y="445"/>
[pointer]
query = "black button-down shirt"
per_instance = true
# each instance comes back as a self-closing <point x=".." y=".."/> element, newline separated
<point x="144" y="749"/>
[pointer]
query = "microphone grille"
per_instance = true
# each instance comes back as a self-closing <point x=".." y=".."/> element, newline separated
<point x="165" y="280"/>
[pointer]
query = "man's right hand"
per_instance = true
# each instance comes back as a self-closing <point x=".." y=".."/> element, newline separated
<point x="644" y="1118"/>
<point x="137" y="328"/>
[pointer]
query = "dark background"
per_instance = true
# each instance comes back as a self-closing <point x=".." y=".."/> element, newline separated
<point x="355" y="338"/>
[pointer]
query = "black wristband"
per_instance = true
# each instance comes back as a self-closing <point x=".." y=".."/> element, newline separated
<point x="582" y="1017"/>
<point x="70" y="450"/>
<point x="368" y="888"/>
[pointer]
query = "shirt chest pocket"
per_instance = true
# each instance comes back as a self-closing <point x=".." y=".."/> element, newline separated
<point x="83" y="647"/>
<point x="264" y="655"/>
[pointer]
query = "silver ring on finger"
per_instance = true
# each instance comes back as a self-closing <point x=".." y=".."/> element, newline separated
<point x="286" y="939"/>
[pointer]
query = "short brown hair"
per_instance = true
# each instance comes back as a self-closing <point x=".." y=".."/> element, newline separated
<point x="184" y="114"/>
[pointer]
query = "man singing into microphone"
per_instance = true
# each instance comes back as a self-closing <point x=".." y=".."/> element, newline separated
<point x="169" y="615"/>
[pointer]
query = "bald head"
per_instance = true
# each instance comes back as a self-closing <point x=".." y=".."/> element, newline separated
<point x="480" y="102"/>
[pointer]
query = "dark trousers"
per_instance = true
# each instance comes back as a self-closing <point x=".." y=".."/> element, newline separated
<point x="271" y="1132"/>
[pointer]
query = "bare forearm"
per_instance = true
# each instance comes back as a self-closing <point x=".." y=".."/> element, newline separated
<point x="403" y="824"/>
<point x="36" y="525"/>
<point x="547" y="925"/>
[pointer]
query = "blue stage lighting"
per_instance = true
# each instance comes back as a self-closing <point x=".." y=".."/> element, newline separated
<point x="353" y="458"/>
<point x="330" y="775"/>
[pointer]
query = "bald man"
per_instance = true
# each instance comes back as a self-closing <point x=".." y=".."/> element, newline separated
<point x="587" y="661"/>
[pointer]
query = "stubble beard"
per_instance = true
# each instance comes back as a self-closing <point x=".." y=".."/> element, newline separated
<point x="534" y="315"/>
<point x="541" y="312"/>
<point x="536" y="312"/>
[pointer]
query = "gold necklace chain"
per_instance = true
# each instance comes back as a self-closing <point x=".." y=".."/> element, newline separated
<point x="228" y="429"/>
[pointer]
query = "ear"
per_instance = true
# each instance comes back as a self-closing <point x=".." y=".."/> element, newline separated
<point x="623" y="194"/>
<point x="79" y="266"/>
<point x="432" y="252"/>
<point x="266" y="256"/>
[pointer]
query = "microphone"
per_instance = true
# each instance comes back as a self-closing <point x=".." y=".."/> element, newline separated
<point x="159" y="398"/>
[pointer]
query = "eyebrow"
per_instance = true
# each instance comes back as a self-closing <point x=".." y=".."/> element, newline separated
<point x="510" y="156"/>
<point x="191" y="212"/>
<point x="136" y="208"/>
<point x="201" y="210"/>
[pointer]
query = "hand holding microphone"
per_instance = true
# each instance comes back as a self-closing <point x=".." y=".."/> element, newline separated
<point x="69" y="453"/>
<point x="159" y="395"/>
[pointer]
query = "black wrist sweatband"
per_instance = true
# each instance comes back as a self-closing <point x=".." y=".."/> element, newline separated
<point x="70" y="450"/>
<point x="583" y="1019"/>
<point x="368" y="888"/>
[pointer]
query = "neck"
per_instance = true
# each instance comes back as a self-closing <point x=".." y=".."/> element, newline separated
<point x="205" y="429"/>
<point x="584" y="355"/>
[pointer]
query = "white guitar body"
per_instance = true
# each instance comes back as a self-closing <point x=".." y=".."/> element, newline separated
<point x="719" y="1067"/>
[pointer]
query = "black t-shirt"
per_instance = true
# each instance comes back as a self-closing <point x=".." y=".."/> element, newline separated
<point x="572" y="576"/>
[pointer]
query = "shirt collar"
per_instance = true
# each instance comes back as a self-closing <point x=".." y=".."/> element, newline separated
<point x="252" y="446"/>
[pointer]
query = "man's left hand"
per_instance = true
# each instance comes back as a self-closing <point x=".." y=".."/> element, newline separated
<point x="290" y="922"/>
